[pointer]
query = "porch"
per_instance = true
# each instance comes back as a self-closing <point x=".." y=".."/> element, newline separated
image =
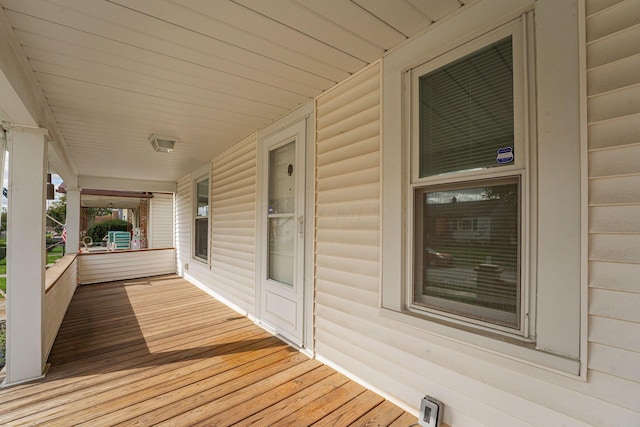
<point x="160" y="351"/>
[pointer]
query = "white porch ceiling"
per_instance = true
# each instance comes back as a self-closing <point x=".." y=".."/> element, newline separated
<point x="209" y="72"/>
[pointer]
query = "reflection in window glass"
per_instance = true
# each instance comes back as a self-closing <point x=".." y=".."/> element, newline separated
<point x="282" y="179"/>
<point x="281" y="214"/>
<point x="466" y="113"/>
<point x="281" y="235"/>
<point x="201" y="238"/>
<point x="202" y="192"/>
<point x="467" y="249"/>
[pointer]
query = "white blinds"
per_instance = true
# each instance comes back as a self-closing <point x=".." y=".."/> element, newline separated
<point x="466" y="112"/>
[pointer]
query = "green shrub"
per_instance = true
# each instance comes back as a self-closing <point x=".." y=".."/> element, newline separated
<point x="51" y="242"/>
<point x="99" y="230"/>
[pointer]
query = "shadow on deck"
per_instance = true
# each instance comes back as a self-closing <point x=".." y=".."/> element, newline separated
<point x="160" y="351"/>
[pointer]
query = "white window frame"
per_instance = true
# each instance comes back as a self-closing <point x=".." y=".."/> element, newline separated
<point x="522" y="89"/>
<point x="203" y="173"/>
<point x="554" y="338"/>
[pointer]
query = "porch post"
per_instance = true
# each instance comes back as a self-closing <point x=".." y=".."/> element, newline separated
<point x="26" y="256"/>
<point x="73" y="221"/>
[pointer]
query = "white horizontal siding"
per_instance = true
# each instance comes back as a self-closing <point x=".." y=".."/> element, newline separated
<point x="615" y="333"/>
<point x="347" y="211"/>
<point x="57" y="298"/>
<point x="233" y="225"/>
<point x="613" y="304"/>
<point x="110" y="266"/>
<point x="614" y="247"/>
<point x="610" y="190"/>
<point x="232" y="237"/>
<point x="183" y="222"/>
<point x="614" y="275"/>
<point x="617" y="17"/>
<point x="613" y="111"/>
<point x="619" y="160"/>
<point x="614" y="218"/>
<point x="614" y="76"/>
<point x="405" y="362"/>
<point x="614" y="104"/>
<point x="347" y="215"/>
<point x="161" y="224"/>
<point x="614" y="47"/>
<point x="614" y="361"/>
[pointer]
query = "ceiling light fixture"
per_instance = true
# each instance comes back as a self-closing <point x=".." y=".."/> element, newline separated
<point x="162" y="144"/>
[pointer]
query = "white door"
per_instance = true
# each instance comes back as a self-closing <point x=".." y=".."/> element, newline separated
<point x="281" y="281"/>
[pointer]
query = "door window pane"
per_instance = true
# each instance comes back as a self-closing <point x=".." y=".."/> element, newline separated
<point x="466" y="113"/>
<point x="281" y="214"/>
<point x="282" y="179"/>
<point x="281" y="234"/>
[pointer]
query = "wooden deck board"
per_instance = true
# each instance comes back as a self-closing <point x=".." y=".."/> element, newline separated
<point x="159" y="351"/>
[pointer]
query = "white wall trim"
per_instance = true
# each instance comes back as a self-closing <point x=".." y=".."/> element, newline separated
<point x="198" y="284"/>
<point x="200" y="174"/>
<point x="413" y="410"/>
<point x="301" y="113"/>
<point x="122" y="184"/>
<point x="584" y="217"/>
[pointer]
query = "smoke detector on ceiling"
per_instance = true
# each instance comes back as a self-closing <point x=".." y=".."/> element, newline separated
<point x="162" y="144"/>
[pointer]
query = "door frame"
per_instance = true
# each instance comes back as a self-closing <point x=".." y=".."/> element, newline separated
<point x="304" y="113"/>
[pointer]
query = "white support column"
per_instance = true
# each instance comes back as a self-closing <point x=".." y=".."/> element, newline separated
<point x="26" y="254"/>
<point x="73" y="221"/>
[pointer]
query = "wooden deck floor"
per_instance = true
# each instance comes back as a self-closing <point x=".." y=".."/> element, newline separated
<point x="161" y="352"/>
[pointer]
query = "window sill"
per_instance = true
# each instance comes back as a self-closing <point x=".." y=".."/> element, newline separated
<point x="486" y="343"/>
<point x="200" y="261"/>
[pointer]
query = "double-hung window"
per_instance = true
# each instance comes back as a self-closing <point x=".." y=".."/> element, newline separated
<point x="468" y="183"/>
<point x="482" y="205"/>
<point x="201" y="220"/>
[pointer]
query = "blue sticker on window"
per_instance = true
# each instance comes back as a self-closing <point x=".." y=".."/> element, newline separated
<point x="505" y="155"/>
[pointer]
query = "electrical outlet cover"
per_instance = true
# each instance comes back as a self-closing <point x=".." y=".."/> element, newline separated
<point x="430" y="412"/>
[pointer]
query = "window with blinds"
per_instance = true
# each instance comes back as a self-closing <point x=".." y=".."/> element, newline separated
<point x="467" y="182"/>
<point x="467" y="239"/>
<point x="466" y="112"/>
<point x="201" y="226"/>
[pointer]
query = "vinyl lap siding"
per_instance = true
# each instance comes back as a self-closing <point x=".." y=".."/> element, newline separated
<point x="347" y="219"/>
<point x="478" y="388"/>
<point x="183" y="222"/>
<point x="349" y="331"/>
<point x="613" y="81"/>
<point x="233" y="224"/>
<point x="162" y="222"/>
<point x="56" y="300"/>
<point x="123" y="265"/>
